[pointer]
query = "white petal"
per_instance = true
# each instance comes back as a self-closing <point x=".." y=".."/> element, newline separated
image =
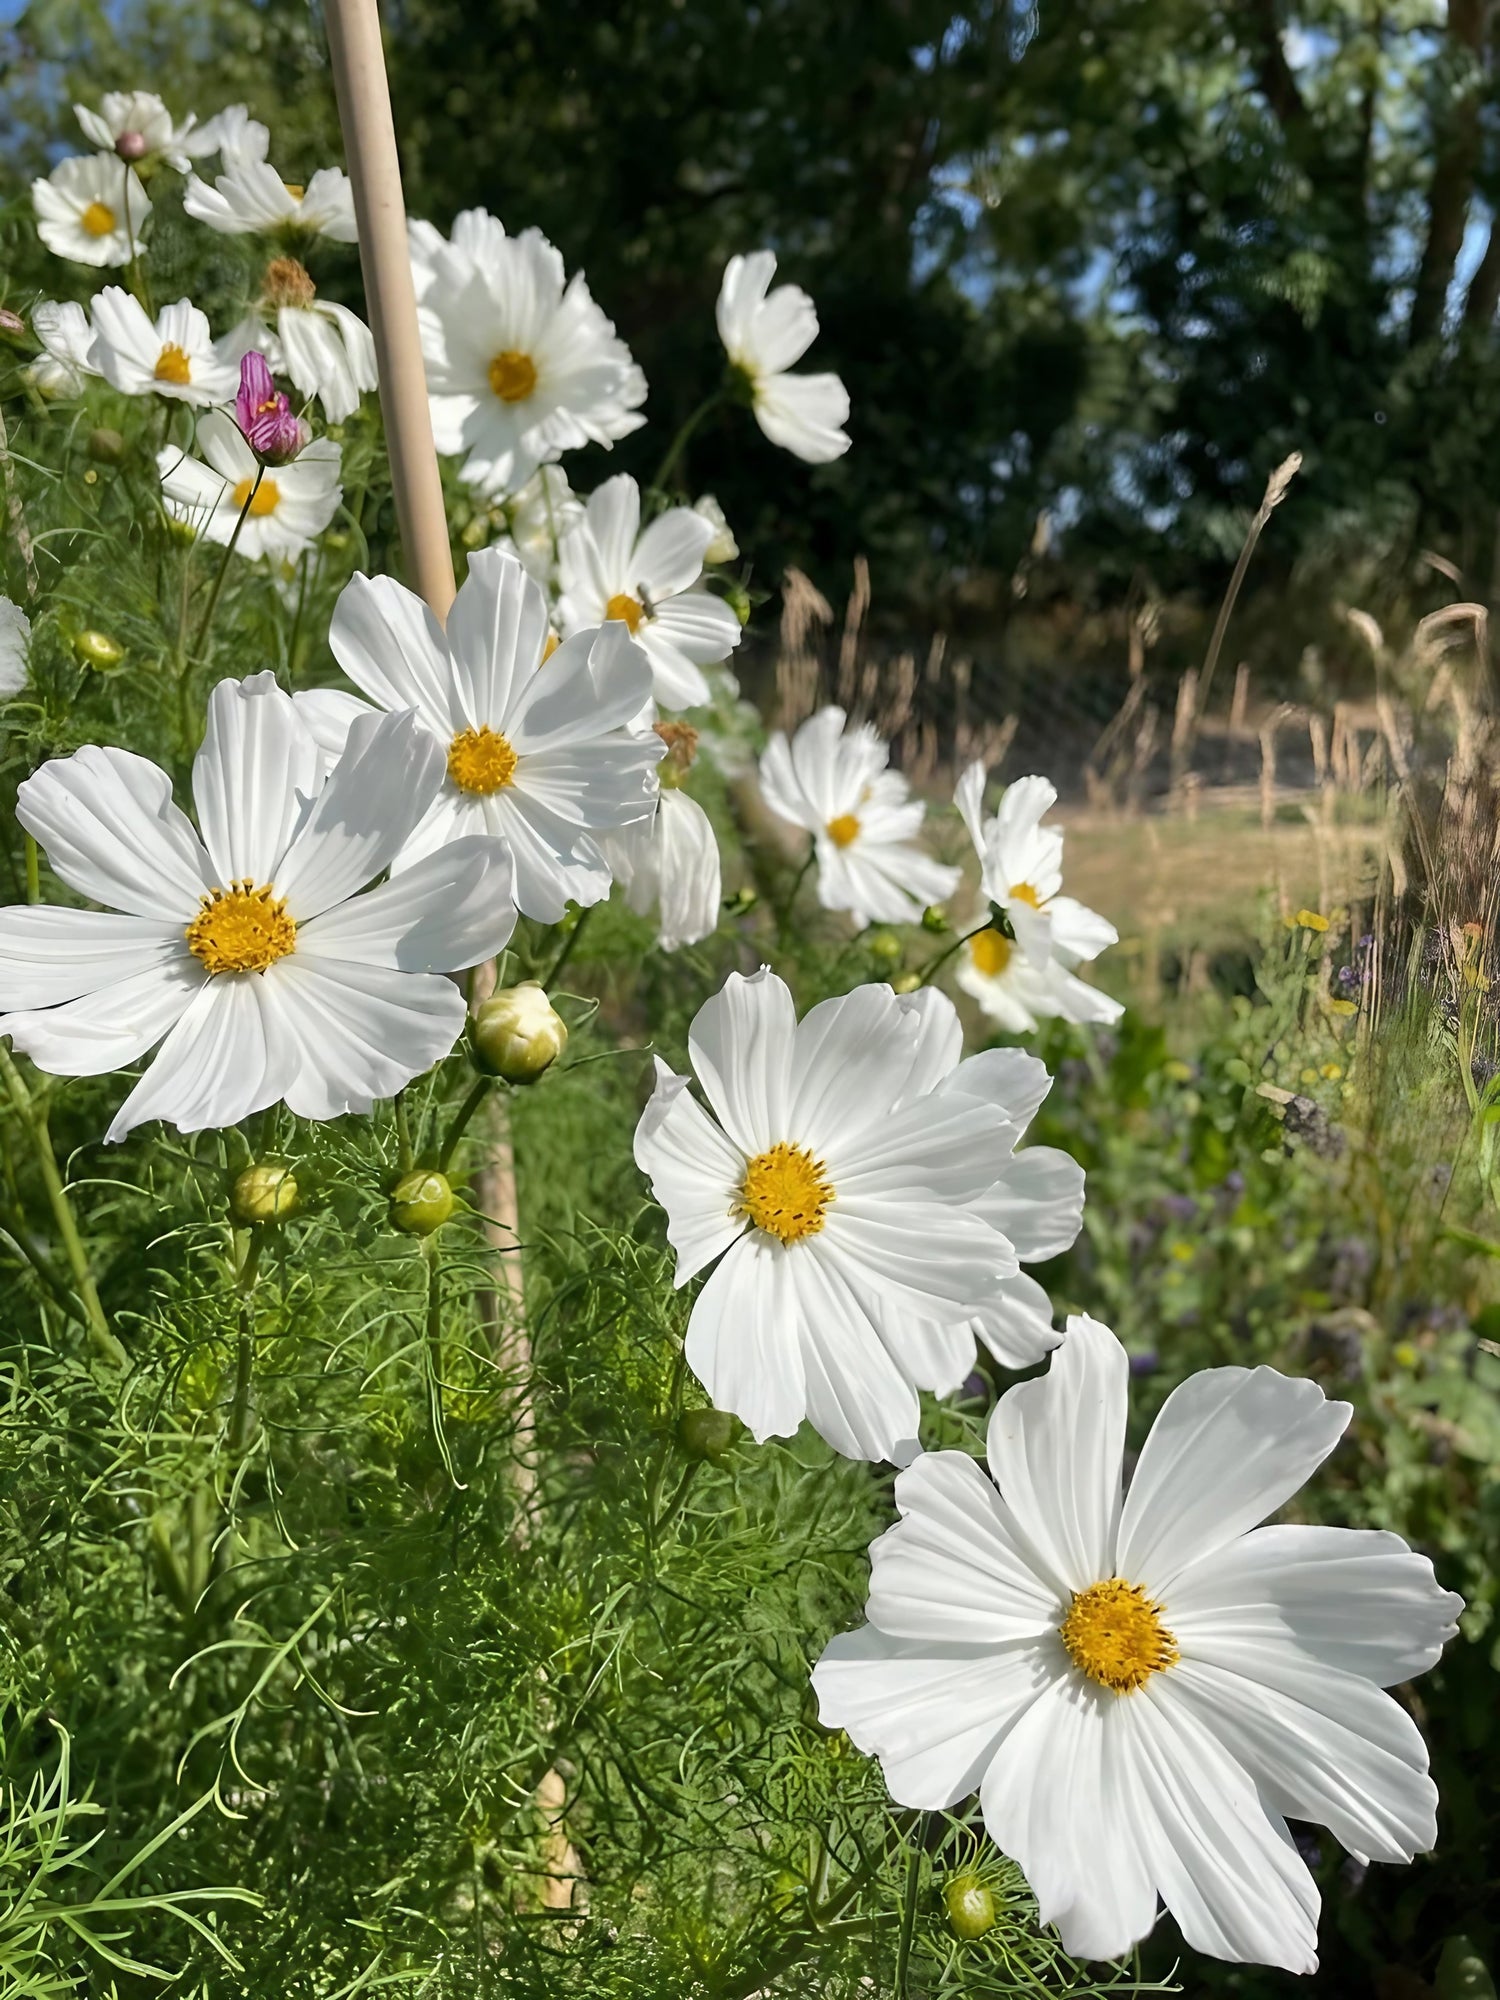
<point x="742" y="1339"/>
<point x="1016" y="1323"/>
<point x="373" y="801"/>
<point x="1225" y="1865"/>
<point x="254" y="778"/>
<point x="950" y="1570"/>
<point x="669" y="556"/>
<point x="932" y="1713"/>
<point x="228" y="1055"/>
<point x="1055" y="1448"/>
<point x="804" y="414"/>
<point x="1059" y="1798"/>
<point x="109" y="828"/>
<point x="450" y="910"/>
<point x="694" y="1173"/>
<point x="858" y="1398"/>
<point x="1229" y="1447"/>
<point x="496" y="631"/>
<point x="741" y="1048"/>
<point x="1333" y="1750"/>
<point x="1014" y="1082"/>
<point x="555" y="862"/>
<point x="1078" y="932"/>
<point x="49" y="954"/>
<point x="393" y="649"/>
<point x="1037" y="1202"/>
<point x="969" y="798"/>
<point x="109" y="1027"/>
<point x="363" y="1030"/>
<point x="1358" y="1599"/>
<point x="851" y="1060"/>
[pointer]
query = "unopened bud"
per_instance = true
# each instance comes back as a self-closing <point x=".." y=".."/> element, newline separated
<point x="723" y="548"/>
<point x="884" y="947"/>
<point x="933" y="920"/>
<point x="421" y="1201"/>
<point x="11" y="322"/>
<point x="132" y="146"/>
<point x="263" y="1193"/>
<point x="287" y="283"/>
<point x="708" y="1435"/>
<point x="738" y="600"/>
<point x="107" y="446"/>
<point x="517" y="1033"/>
<point x="98" y="650"/>
<point x="970" y="1906"/>
<point x="681" y="740"/>
<point x="909" y="982"/>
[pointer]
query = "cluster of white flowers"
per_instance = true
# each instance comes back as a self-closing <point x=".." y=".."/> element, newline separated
<point x="1141" y="1688"/>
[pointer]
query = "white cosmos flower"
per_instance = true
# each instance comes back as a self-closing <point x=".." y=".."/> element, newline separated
<point x="173" y="356"/>
<point x="250" y="199"/>
<point x="292" y="504"/>
<point x="233" y="134"/>
<point x="670" y="864"/>
<point x="838" y="1188"/>
<point x="244" y="947"/>
<point x="547" y="757"/>
<point x="67" y="344"/>
<point x="521" y="364"/>
<point x="537" y="516"/>
<point x="1018" y="995"/>
<point x="136" y="125"/>
<point x="764" y="334"/>
<point x="862" y="818"/>
<point x="1020" y="863"/>
<point x="91" y="208"/>
<point x="1145" y="1690"/>
<point x="15" y="647"/>
<point x="609" y="568"/>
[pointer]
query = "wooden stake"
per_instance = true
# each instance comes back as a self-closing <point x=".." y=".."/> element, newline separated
<point x="364" y="100"/>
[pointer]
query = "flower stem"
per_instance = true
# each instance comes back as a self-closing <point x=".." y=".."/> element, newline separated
<point x="478" y="1093"/>
<point x="33" y="871"/>
<point x="213" y="596"/>
<point x="34" y="1118"/>
<point x="242" y="1409"/>
<point x="935" y="965"/>
<point x="567" y="951"/>
<point x="784" y="924"/>
<point x="675" y="448"/>
<point x="434" y="1358"/>
<point x="909" y="1907"/>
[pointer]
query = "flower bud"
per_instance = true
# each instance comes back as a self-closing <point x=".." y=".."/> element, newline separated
<point x="97" y="649"/>
<point x="707" y="1435"/>
<point x="132" y="146"/>
<point x="517" y="1033"/>
<point x="11" y="323"/>
<point x="884" y="947"/>
<point x="909" y="982"/>
<point x="286" y="282"/>
<point x="970" y="1906"/>
<point x="933" y="920"/>
<point x="107" y="446"/>
<point x="723" y="548"/>
<point x="265" y="1192"/>
<point x="421" y="1201"/>
<point x="738" y="600"/>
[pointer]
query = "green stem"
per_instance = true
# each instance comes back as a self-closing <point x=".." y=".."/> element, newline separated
<point x="675" y="448"/>
<point x="784" y="923"/>
<point x="137" y="275"/>
<point x="909" y="1908"/>
<point x="935" y="965"/>
<point x="567" y="951"/>
<point x="434" y="1358"/>
<point x="33" y="871"/>
<point x="213" y="596"/>
<point x="477" y="1094"/>
<point x="242" y="1408"/>
<point x="35" y="1121"/>
<point x="404" y="1150"/>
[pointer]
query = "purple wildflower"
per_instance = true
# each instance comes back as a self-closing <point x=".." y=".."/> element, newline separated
<point x="273" y="430"/>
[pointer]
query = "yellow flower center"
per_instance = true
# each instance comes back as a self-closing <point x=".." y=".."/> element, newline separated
<point x="266" y="496"/>
<point x="1114" y="1634"/>
<point x="512" y="375"/>
<point x="785" y="1192"/>
<point x="480" y="760"/>
<point x="241" y="929"/>
<point x="98" y="219"/>
<point x="295" y="189"/>
<point x="173" y="365"/>
<point x="843" y="830"/>
<point x="1022" y="892"/>
<point x="629" y="610"/>
<point x="990" y="951"/>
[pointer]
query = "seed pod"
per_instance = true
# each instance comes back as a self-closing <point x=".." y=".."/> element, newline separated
<point x="265" y="1192"/>
<point x="421" y="1202"/>
<point x="106" y="446"/>
<point x="707" y="1435"/>
<point x="517" y="1033"/>
<point x="970" y="1905"/>
<point x="98" y="650"/>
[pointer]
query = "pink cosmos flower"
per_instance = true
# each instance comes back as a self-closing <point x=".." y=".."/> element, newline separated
<point x="273" y="430"/>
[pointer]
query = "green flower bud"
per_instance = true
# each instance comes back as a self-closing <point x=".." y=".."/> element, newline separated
<point x="907" y="983"/>
<point x="884" y="947"/>
<point x="970" y="1906"/>
<point x="517" y="1033"/>
<point x="707" y="1435"/>
<point x="107" y="446"/>
<point x="265" y="1192"/>
<point x="738" y="600"/>
<point x="98" y="650"/>
<point x="1461" y="1973"/>
<point x="421" y="1202"/>
<point x="933" y="920"/>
